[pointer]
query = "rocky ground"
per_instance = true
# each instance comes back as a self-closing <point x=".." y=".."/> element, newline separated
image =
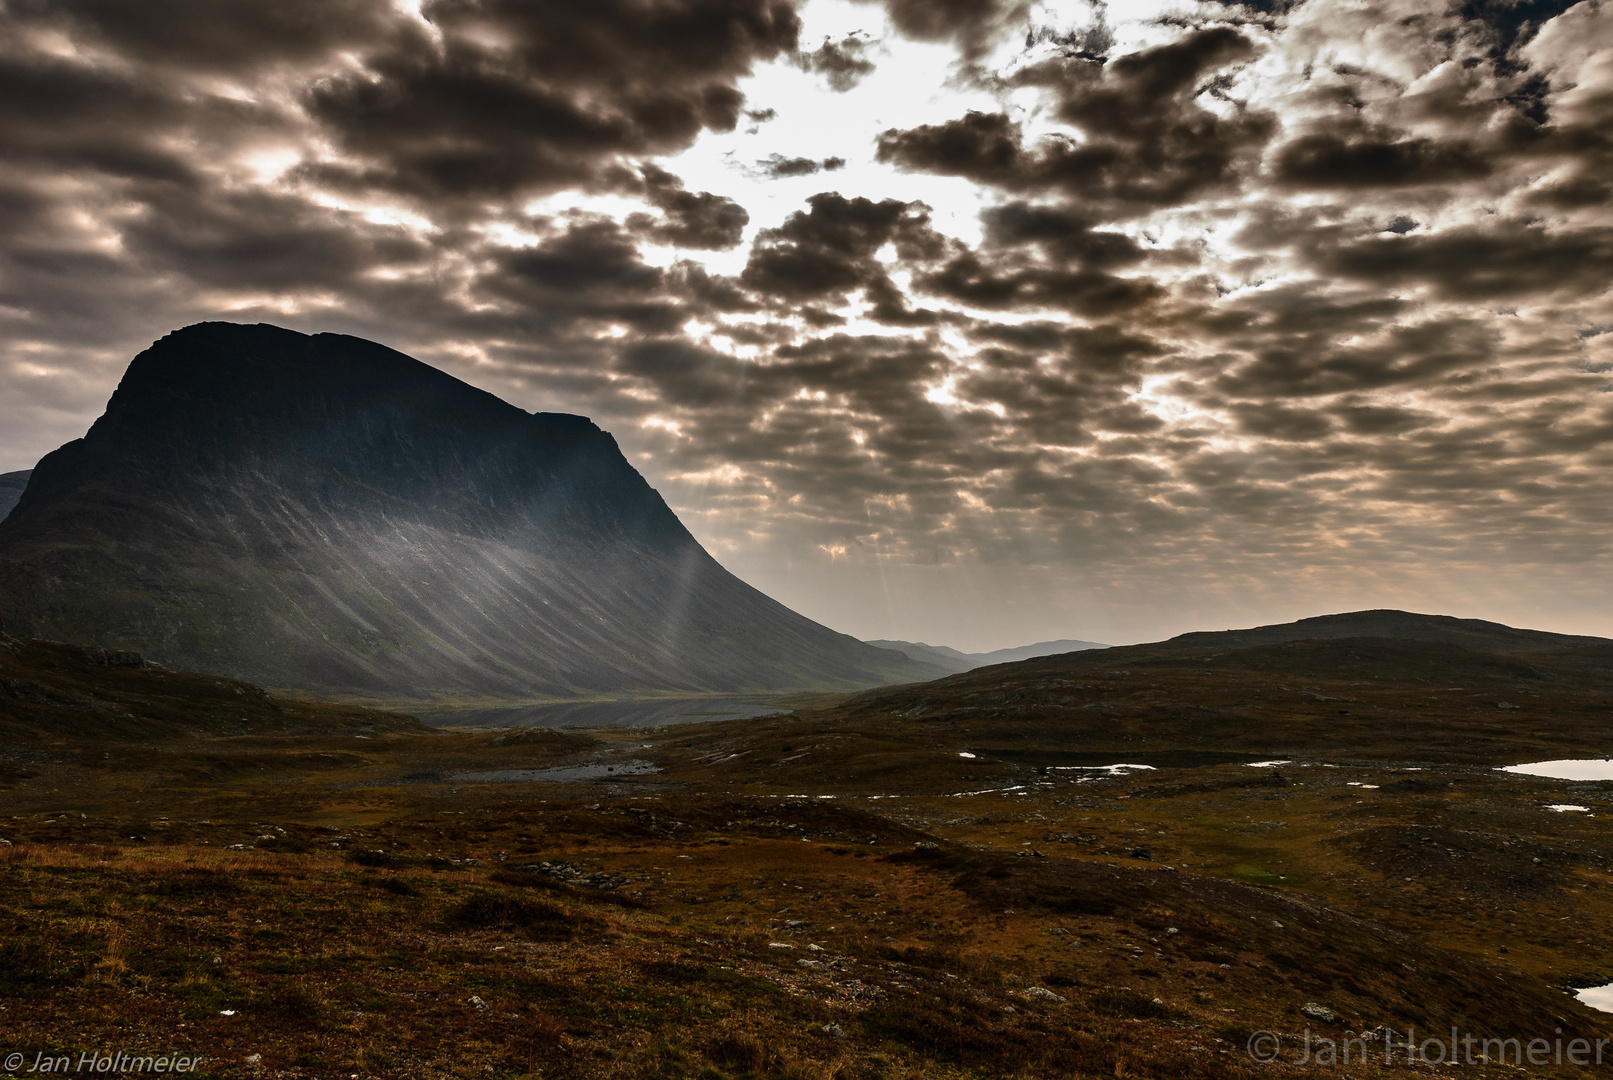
<point x="1319" y="860"/>
<point x="315" y="906"/>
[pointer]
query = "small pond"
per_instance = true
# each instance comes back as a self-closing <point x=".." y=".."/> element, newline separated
<point x="1597" y="997"/>
<point x="1566" y="769"/>
<point x="562" y="773"/>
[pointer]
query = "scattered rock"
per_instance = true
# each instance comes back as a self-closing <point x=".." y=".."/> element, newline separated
<point x="1042" y="993"/>
<point x="1320" y="1013"/>
<point x="575" y="875"/>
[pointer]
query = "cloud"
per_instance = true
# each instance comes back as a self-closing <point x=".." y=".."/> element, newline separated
<point x="829" y="251"/>
<point x="843" y="63"/>
<point x="513" y="97"/>
<point x="1514" y="261"/>
<point x="697" y="220"/>
<point x="1211" y="308"/>
<point x="778" y="167"/>
<point x="973" y="24"/>
<point x="1146" y="140"/>
<point x="1331" y="161"/>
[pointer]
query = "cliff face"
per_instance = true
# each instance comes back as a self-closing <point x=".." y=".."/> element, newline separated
<point x="328" y="514"/>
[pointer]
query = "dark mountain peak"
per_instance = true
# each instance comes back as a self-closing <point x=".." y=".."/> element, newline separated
<point x="323" y="512"/>
<point x="353" y="426"/>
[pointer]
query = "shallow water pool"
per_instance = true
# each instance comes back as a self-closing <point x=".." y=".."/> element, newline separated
<point x="1566" y="769"/>
<point x="562" y="773"/>
<point x="1597" y="997"/>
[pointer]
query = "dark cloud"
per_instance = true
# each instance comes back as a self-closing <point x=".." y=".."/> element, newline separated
<point x="197" y="35"/>
<point x="1147" y="142"/>
<point x="843" y="64"/>
<point x="82" y="117"/>
<point x="973" y="24"/>
<point x="778" y="167"/>
<point x="259" y="240"/>
<point x="1274" y="420"/>
<point x="522" y="96"/>
<point x="1476" y="263"/>
<point x="830" y="251"/>
<point x="1377" y="159"/>
<point x="1011" y="283"/>
<point x="696" y="220"/>
<point x="1061" y="232"/>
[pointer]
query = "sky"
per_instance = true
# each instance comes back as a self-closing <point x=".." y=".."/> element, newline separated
<point x="974" y="322"/>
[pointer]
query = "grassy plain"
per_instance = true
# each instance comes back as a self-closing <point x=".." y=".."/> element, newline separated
<point x="833" y="893"/>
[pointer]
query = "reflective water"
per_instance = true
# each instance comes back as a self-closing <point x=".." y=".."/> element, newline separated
<point x="657" y="712"/>
<point x="1597" y="997"/>
<point x="562" y="773"/>
<point x="1566" y="769"/>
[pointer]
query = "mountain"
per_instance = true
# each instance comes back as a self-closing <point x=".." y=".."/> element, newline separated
<point x="324" y="513"/>
<point x="11" y="485"/>
<point x="954" y="661"/>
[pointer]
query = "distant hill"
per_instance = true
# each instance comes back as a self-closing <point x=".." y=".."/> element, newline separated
<point x="11" y="485"/>
<point x="1388" y="623"/>
<point x="324" y="513"/>
<point x="954" y="661"/>
<point x="1368" y="684"/>
<point x="48" y="689"/>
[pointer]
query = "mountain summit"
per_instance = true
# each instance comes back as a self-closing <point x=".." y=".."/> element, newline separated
<point x="322" y="512"/>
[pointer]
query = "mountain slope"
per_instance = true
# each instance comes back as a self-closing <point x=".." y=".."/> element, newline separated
<point x="1370" y="684"/>
<point x="52" y="690"/>
<point x="11" y="485"/>
<point x="1389" y="623"/>
<point x="954" y="661"/>
<point x="327" y="514"/>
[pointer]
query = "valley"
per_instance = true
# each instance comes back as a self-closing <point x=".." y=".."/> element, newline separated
<point x="948" y="879"/>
